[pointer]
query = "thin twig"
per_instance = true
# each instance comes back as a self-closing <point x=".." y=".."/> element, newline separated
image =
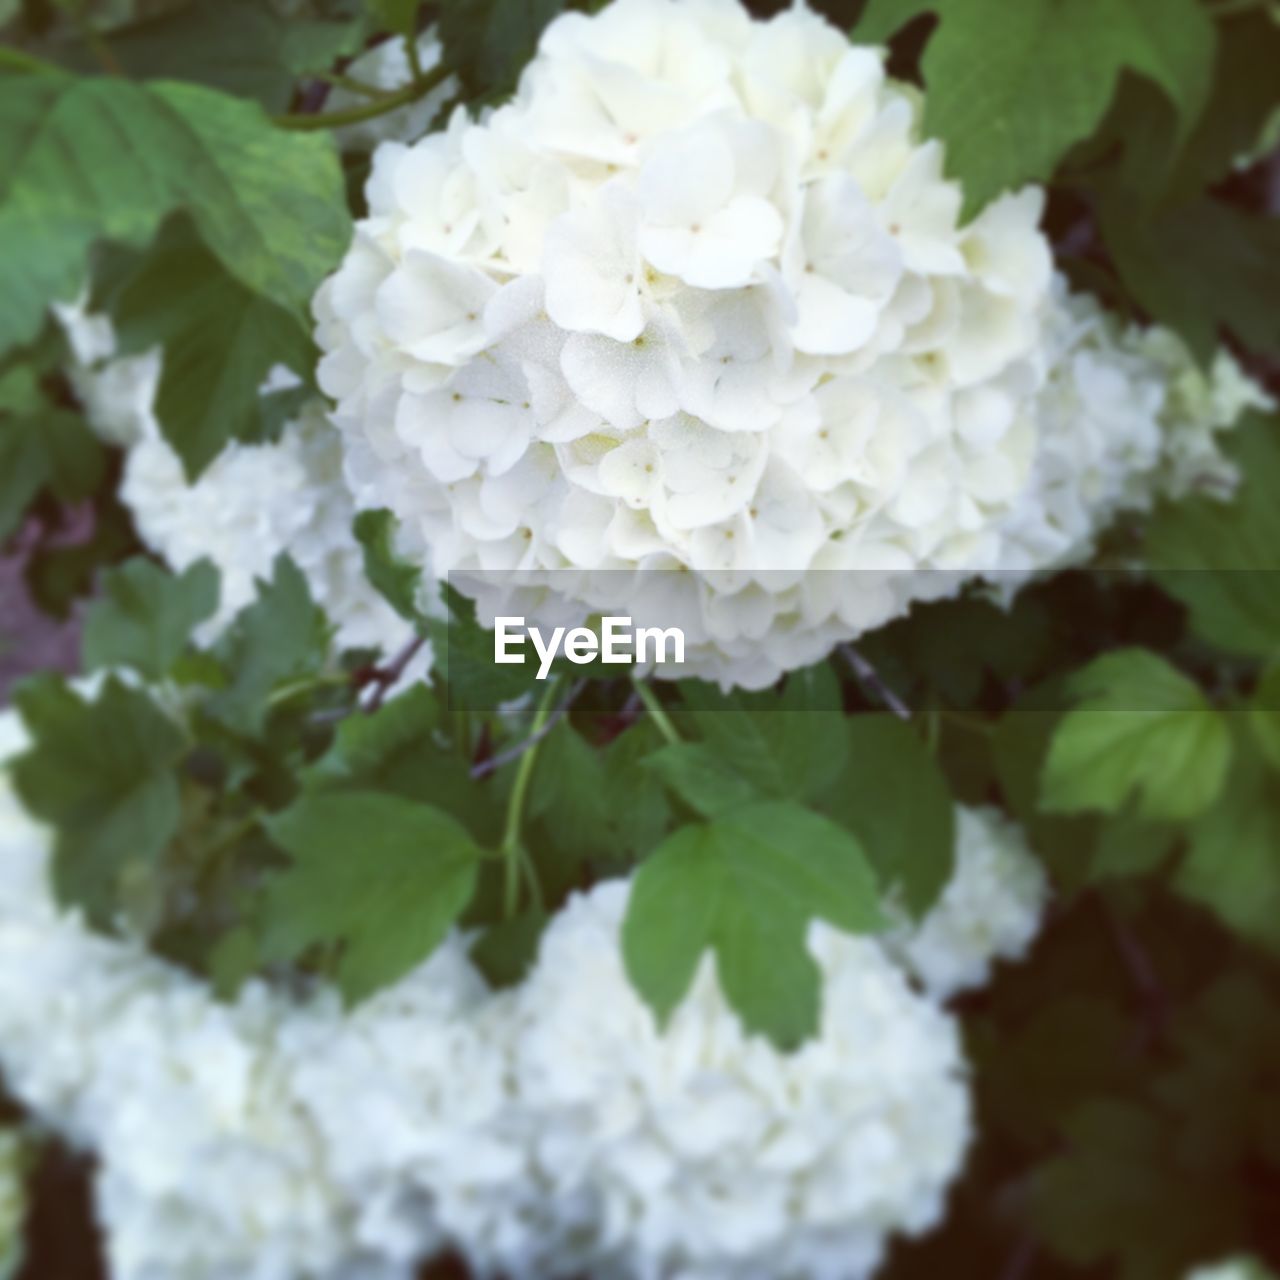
<point x="870" y="677"/>
<point x="351" y="85"/>
<point x="382" y="678"/>
<point x="1021" y="1260"/>
<point x="97" y="45"/>
<point x="1142" y="975"/>
<point x="494" y="763"/>
<point x="656" y="712"/>
<point x="370" y="111"/>
<point x="510" y="847"/>
<point x="414" y="57"/>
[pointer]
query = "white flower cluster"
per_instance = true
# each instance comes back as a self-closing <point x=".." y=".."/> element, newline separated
<point x="253" y="502"/>
<point x="1125" y="417"/>
<point x="546" y="1131"/>
<point x="989" y="910"/>
<point x="386" y="67"/>
<point x="1233" y="1269"/>
<point x="698" y="299"/>
<point x="702" y="1152"/>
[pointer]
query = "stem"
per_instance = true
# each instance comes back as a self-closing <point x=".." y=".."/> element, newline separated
<point x="510" y="847"/>
<point x="870" y="677"/>
<point x="656" y="712"/>
<point x="97" y="45"/>
<point x="384" y="677"/>
<point x="339" y="81"/>
<point x="231" y="835"/>
<point x="415" y="59"/>
<point x="494" y="763"/>
<point x="287" y="691"/>
<point x="380" y="107"/>
<point x="19" y="60"/>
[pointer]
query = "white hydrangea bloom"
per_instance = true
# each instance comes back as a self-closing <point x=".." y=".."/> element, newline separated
<point x="989" y="910"/>
<point x="386" y="66"/>
<point x="697" y="297"/>
<point x="551" y="1130"/>
<point x="219" y="1155"/>
<point x="1125" y="416"/>
<point x="13" y="1201"/>
<point x="1232" y="1269"/>
<point x="253" y="502"/>
<point x="703" y="1152"/>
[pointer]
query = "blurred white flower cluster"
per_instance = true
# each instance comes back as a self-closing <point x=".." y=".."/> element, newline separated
<point x="699" y="298"/>
<point x="548" y="1130"/>
<point x="253" y="502"/>
<point x="1233" y="1269"/>
<point x="990" y="908"/>
<point x="1125" y="417"/>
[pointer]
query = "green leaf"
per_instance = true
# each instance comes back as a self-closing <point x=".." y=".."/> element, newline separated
<point x="634" y="796"/>
<point x="1120" y="1188"/>
<point x="1019" y="748"/>
<point x="1243" y="101"/>
<point x="464" y="659"/>
<point x="1127" y="848"/>
<point x="102" y="774"/>
<point x="1264" y="715"/>
<point x="106" y="159"/>
<point x="1220" y="559"/>
<point x="238" y="46"/>
<point x="53" y="449"/>
<point x="382" y="876"/>
<point x="398" y="16"/>
<point x="746" y="885"/>
<point x="490" y="41"/>
<point x="894" y="799"/>
<point x="281" y="635"/>
<point x="569" y="795"/>
<point x="232" y="961"/>
<point x="41" y="447"/>
<point x="220" y="341"/>
<point x="61" y="571"/>
<point x="1142" y="731"/>
<point x="1010" y="87"/>
<point x="1233" y="858"/>
<point x="397" y="749"/>
<point x="701" y="778"/>
<point x="507" y="950"/>
<point x="145" y="616"/>
<point x="791" y="745"/>
<point x="396" y="580"/>
<point x="1200" y="268"/>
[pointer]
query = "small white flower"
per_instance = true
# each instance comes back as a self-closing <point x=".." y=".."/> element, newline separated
<point x="989" y="910"/>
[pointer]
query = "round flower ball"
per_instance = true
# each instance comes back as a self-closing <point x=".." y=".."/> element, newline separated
<point x="698" y="299"/>
<point x="264" y="1138"/>
<point x="1125" y="416"/>
<point x="989" y="909"/>
<point x="699" y="1150"/>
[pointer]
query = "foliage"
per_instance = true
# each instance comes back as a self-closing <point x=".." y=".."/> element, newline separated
<point x="277" y="807"/>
